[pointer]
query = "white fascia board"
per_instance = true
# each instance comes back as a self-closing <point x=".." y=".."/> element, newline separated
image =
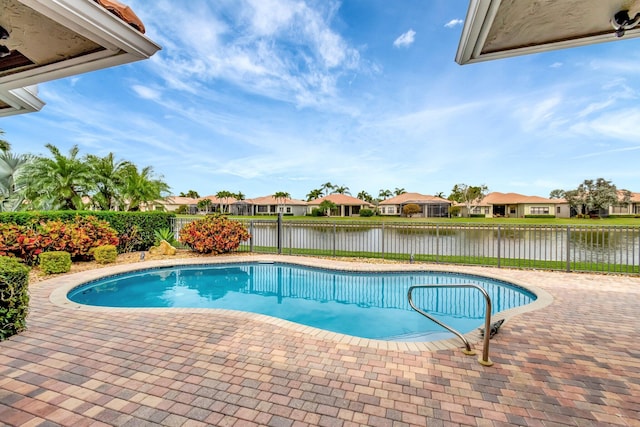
<point x="21" y="100"/>
<point x="61" y="69"/>
<point x="123" y="44"/>
<point x="94" y="22"/>
<point x="478" y="22"/>
<point x="473" y="26"/>
<point x="529" y="50"/>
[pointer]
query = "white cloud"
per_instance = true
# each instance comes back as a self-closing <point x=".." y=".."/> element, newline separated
<point x="556" y="65"/>
<point x="454" y="23"/>
<point x="283" y="50"/>
<point x="146" y="92"/>
<point x="405" y="39"/>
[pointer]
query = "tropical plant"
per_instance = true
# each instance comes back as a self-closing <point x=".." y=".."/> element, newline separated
<point x="385" y="194"/>
<point x="11" y="166"/>
<point x="363" y="195"/>
<point x="58" y="182"/>
<point x="326" y="188"/>
<point x="327" y="206"/>
<point x="204" y="205"/>
<point x="225" y="198"/>
<point x="191" y="194"/>
<point x="341" y="190"/>
<point x="164" y="234"/>
<point x="399" y="191"/>
<point x="4" y="145"/>
<point x="214" y="234"/>
<point x="108" y="177"/>
<point x="142" y="187"/>
<point x="314" y="194"/>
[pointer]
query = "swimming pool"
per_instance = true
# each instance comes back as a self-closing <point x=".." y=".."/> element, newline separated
<point x="366" y="305"/>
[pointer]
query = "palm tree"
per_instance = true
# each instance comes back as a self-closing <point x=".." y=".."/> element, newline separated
<point x="109" y="179"/>
<point x="239" y="195"/>
<point x="224" y="195"/>
<point x="58" y="182"/>
<point x="385" y="194"/>
<point x="327" y="187"/>
<point x="191" y="194"/>
<point x="4" y="145"/>
<point x="341" y="190"/>
<point x="141" y="187"/>
<point x="363" y="195"/>
<point x="11" y="166"/>
<point x="204" y="204"/>
<point x="441" y="195"/>
<point x="281" y="197"/>
<point x="314" y="194"/>
<point x="399" y="191"/>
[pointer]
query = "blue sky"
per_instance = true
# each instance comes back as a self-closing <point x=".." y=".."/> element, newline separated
<point x="261" y="96"/>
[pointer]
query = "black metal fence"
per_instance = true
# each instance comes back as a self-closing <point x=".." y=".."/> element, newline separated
<point x="613" y="249"/>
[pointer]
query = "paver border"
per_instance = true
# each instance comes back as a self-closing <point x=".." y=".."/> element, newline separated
<point x="63" y="284"/>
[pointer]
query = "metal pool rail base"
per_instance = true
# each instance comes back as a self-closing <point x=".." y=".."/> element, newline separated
<point x="484" y="360"/>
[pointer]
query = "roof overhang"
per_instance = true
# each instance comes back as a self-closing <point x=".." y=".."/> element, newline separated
<point x="496" y="29"/>
<point x="53" y="39"/>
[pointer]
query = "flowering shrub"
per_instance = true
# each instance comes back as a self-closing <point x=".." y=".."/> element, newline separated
<point x="214" y="234"/>
<point x="22" y="242"/>
<point x="77" y="238"/>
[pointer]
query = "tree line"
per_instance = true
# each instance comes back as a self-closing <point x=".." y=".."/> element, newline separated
<point x="73" y="182"/>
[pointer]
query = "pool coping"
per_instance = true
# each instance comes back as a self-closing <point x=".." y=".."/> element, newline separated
<point x="63" y="284"/>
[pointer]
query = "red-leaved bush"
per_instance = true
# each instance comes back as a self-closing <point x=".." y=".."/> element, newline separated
<point x="22" y="242"/>
<point x="214" y="234"/>
<point x="78" y="237"/>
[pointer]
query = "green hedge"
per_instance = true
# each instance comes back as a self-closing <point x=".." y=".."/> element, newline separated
<point x="106" y="254"/>
<point x="14" y="296"/>
<point x="55" y="262"/>
<point x="135" y="229"/>
<point x="539" y="216"/>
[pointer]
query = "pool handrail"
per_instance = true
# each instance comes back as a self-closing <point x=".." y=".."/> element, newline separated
<point x="484" y="359"/>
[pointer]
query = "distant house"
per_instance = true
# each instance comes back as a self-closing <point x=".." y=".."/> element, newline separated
<point x="345" y="205"/>
<point x="172" y="203"/>
<point x="630" y="208"/>
<point x="431" y="206"/>
<point x="218" y="204"/>
<point x="269" y="205"/>
<point x="514" y="205"/>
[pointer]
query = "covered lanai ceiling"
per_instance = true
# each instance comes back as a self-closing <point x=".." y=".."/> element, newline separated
<point x="496" y="29"/>
<point x="42" y="40"/>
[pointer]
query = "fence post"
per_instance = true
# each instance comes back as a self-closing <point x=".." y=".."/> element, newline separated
<point x="568" y="248"/>
<point x="251" y="233"/>
<point x="382" y="241"/>
<point x="279" y="233"/>
<point x="437" y="243"/>
<point x="498" y="246"/>
<point x="334" y="238"/>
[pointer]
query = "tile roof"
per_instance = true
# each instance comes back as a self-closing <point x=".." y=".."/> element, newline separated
<point x="179" y="200"/>
<point x="497" y="198"/>
<point x="340" y="199"/>
<point x="270" y="200"/>
<point x="413" y="198"/>
<point x="217" y="201"/>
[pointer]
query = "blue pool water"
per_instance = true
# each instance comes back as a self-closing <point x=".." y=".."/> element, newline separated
<point x="367" y="305"/>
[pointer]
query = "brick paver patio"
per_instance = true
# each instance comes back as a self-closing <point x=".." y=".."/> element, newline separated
<point x="574" y="362"/>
